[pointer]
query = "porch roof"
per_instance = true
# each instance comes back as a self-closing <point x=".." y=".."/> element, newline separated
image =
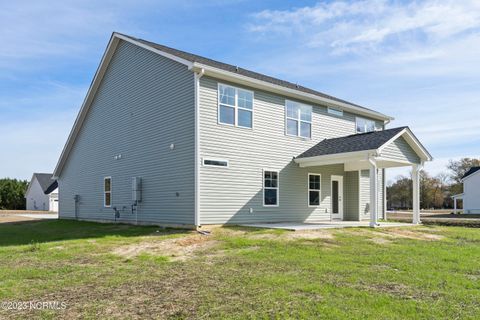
<point x="355" y="142"/>
<point x="360" y="147"/>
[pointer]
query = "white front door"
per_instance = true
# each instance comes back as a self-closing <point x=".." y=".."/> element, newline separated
<point x="337" y="197"/>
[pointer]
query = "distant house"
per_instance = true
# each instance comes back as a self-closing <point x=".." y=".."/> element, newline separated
<point x="42" y="193"/>
<point x="471" y="191"/>
<point x="172" y="138"/>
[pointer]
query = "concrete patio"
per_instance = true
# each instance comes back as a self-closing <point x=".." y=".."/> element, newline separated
<point x="296" y="226"/>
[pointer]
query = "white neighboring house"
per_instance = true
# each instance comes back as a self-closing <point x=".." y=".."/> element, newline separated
<point x="42" y="193"/>
<point x="471" y="192"/>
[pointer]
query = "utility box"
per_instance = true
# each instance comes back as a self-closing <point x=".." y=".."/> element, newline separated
<point x="136" y="189"/>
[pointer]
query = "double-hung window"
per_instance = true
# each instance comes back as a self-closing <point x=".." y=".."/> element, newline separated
<point x="270" y="188"/>
<point x="298" y="119"/>
<point x="365" y="125"/>
<point x="314" y="188"/>
<point x="235" y="106"/>
<point x="107" y="191"/>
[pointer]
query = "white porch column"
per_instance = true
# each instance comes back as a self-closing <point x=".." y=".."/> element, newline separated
<point x="373" y="193"/>
<point x="416" y="194"/>
<point x="455" y="205"/>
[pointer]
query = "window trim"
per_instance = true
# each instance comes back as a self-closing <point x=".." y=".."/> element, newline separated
<point x="235" y="107"/>
<point x="335" y="111"/>
<point x="105" y="193"/>
<point x="277" y="188"/>
<point x="215" y="159"/>
<point x="319" y="191"/>
<point x="298" y="121"/>
<point x="356" y="125"/>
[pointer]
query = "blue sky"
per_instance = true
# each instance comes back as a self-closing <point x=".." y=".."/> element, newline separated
<point x="418" y="61"/>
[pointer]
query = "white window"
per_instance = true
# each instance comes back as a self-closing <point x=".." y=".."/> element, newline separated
<point x="365" y="125"/>
<point x="270" y="188"/>
<point x="215" y="163"/>
<point x="107" y="191"/>
<point x="314" y="189"/>
<point x="235" y="106"/>
<point x="298" y="119"/>
<point x="335" y="112"/>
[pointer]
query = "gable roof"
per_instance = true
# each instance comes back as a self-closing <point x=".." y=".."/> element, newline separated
<point x="470" y="172"/>
<point x="355" y="142"/>
<point x="370" y="141"/>
<point x="47" y="184"/>
<point x="210" y="67"/>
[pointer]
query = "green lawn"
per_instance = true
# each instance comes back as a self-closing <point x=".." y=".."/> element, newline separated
<point x="118" y="271"/>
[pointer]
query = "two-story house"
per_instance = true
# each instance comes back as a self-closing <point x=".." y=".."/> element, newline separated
<point x="171" y="138"/>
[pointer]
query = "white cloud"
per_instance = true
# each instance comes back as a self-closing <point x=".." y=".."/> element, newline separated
<point x="363" y="26"/>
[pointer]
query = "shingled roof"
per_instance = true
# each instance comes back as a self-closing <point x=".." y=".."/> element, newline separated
<point x="241" y="71"/>
<point x="471" y="171"/>
<point x="352" y="143"/>
<point x="46" y="182"/>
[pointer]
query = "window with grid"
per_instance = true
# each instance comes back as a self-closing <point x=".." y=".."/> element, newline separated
<point x="107" y="191"/>
<point x="270" y="188"/>
<point x="298" y="119"/>
<point x="235" y="106"/>
<point x="314" y="188"/>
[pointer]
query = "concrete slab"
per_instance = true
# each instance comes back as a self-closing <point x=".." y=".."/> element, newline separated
<point x="39" y="215"/>
<point x="294" y="226"/>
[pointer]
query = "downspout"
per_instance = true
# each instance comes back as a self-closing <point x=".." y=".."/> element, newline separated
<point x="197" y="76"/>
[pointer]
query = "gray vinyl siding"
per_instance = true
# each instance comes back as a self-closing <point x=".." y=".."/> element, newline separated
<point x="227" y="194"/>
<point x="351" y="195"/>
<point x="144" y="104"/>
<point x="400" y="150"/>
<point x="365" y="194"/>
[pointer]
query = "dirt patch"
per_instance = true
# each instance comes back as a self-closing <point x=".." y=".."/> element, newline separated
<point x="380" y="240"/>
<point x="394" y="289"/>
<point x="297" y="235"/>
<point x="176" y="248"/>
<point x="410" y="234"/>
<point x="388" y="235"/>
<point x="9" y="218"/>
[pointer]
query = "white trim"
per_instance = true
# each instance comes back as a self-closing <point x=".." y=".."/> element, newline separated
<point x="235" y="107"/>
<point x="260" y="84"/>
<point x="340" y="194"/>
<point x="150" y="48"/>
<point x="105" y="193"/>
<point x="277" y="188"/>
<point x="298" y="119"/>
<point x="360" y="213"/>
<point x="319" y="190"/>
<point x="215" y="159"/>
<point x="196" y="79"/>
<point x="335" y="111"/>
<point x="470" y="175"/>
<point x="363" y="118"/>
<point x="336" y="158"/>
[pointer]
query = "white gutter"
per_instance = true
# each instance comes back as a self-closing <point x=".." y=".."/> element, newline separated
<point x="197" y="76"/>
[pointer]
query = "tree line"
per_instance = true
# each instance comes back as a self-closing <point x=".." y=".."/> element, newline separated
<point x="12" y="194"/>
<point x="435" y="191"/>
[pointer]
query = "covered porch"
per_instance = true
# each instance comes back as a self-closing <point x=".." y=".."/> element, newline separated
<point x="372" y="153"/>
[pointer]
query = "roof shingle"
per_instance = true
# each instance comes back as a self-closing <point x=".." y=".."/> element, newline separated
<point x="471" y="171"/>
<point x="46" y="182"/>
<point x="352" y="143"/>
<point x="248" y="73"/>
